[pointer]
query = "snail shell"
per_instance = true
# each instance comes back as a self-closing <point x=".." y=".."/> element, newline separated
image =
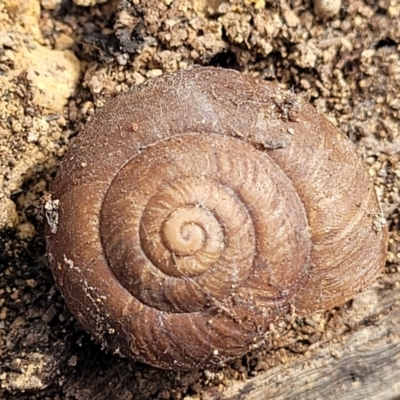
<point x="196" y="209"/>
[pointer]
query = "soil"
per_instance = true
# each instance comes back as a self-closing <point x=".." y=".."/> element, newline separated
<point x="60" y="60"/>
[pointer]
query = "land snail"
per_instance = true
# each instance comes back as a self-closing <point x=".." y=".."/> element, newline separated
<point x="197" y="209"/>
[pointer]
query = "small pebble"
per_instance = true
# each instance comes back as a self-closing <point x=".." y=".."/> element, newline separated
<point x="50" y="4"/>
<point x="325" y="9"/>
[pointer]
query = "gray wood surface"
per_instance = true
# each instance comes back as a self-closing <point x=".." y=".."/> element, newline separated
<point x="362" y="363"/>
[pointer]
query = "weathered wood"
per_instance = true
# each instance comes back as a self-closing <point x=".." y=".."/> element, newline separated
<point x="367" y="365"/>
<point x="363" y="364"/>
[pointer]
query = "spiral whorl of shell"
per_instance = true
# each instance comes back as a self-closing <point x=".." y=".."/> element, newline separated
<point x="198" y="208"/>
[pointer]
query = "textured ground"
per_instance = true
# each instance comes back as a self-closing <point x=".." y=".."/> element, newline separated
<point x="59" y="61"/>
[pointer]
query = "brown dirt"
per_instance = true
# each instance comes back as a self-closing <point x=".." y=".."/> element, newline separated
<point x="59" y="62"/>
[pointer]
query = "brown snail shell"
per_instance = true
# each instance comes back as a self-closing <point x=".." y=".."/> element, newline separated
<point x="194" y="210"/>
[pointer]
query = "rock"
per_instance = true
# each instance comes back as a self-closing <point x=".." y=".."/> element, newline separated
<point x="36" y="82"/>
<point x="50" y="4"/>
<point x="53" y="74"/>
<point x="325" y="9"/>
<point x="87" y="3"/>
<point x="8" y="213"/>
